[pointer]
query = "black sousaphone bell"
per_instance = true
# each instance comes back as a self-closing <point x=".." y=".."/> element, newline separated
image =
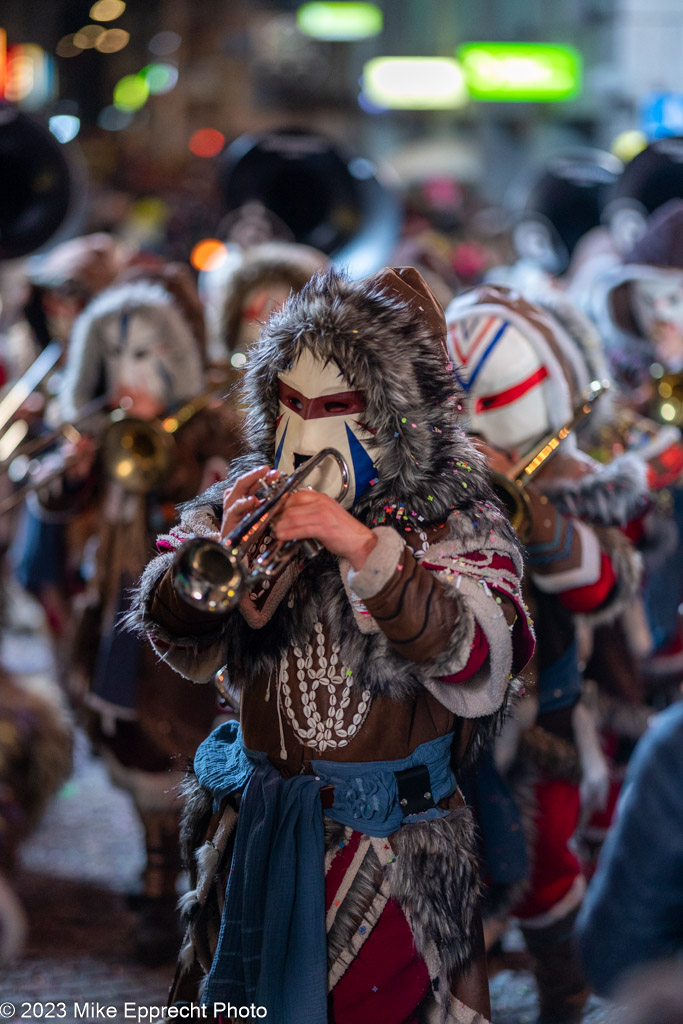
<point x="35" y="184"/>
<point x="309" y="191"/>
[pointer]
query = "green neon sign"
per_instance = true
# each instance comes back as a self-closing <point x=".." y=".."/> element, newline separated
<point x="339" y="21"/>
<point x="521" y="72"/>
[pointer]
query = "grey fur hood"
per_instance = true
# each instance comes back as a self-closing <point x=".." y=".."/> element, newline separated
<point x="387" y="335"/>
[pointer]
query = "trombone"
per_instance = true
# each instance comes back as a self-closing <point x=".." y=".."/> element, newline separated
<point x="510" y="486"/>
<point x="17" y="395"/>
<point x="212" y="575"/>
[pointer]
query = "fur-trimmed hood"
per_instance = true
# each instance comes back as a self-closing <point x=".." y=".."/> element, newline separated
<point x="85" y="378"/>
<point x="387" y="335"/>
<point x="272" y="265"/>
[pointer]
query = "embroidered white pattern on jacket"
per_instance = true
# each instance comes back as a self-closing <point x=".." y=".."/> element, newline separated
<point x="345" y="714"/>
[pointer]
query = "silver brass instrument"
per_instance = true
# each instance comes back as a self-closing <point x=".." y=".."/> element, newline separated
<point x="17" y="395"/>
<point x="213" y="575"/>
<point x="510" y="486"/>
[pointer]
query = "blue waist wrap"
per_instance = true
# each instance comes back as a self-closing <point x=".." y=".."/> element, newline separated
<point x="272" y="947"/>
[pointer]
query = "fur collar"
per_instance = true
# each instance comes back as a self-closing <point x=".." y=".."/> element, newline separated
<point x="610" y="495"/>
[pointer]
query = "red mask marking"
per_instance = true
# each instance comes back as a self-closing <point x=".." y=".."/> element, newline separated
<point x="343" y="403"/>
<point x="487" y="402"/>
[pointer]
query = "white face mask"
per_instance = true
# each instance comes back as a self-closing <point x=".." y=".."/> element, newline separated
<point x="658" y="308"/>
<point x="503" y="379"/>
<point x="317" y="409"/>
<point x="140" y="358"/>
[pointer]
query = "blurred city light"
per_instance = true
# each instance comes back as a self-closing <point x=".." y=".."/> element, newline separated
<point x="206" y="142"/>
<point x="131" y="93"/>
<point x="661" y="114"/>
<point x="208" y="254"/>
<point x="29" y="78"/>
<point x="414" y="83"/>
<point x="160" y="78"/>
<point x="521" y="72"/>
<point x="88" y="36"/>
<point x="628" y="144"/>
<point x="107" y="10"/>
<point x="164" y="43"/>
<point x="113" y="40"/>
<point x="339" y="21"/>
<point x="64" y="127"/>
<point x="114" y="120"/>
<point x="67" y="48"/>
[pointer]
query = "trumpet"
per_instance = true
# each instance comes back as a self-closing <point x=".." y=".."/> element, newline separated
<point x="213" y="575"/>
<point x="136" y="453"/>
<point x="510" y="486"/>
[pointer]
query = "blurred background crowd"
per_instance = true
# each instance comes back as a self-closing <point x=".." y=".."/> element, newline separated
<point x="169" y="172"/>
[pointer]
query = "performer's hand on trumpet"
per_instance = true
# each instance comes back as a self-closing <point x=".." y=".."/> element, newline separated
<point x="498" y="461"/>
<point x="241" y="498"/>
<point x="302" y="515"/>
<point x="309" y="514"/>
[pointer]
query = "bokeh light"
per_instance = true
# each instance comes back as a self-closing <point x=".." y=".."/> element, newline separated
<point x="208" y="254"/>
<point x="206" y="142"/>
<point x="338" y="22"/>
<point x="160" y="78"/>
<point x="66" y="47"/>
<point x="113" y="40"/>
<point x="164" y="43"/>
<point x="88" y="36"/>
<point x="64" y="127"/>
<point x="415" y="83"/>
<point x="114" y="120"/>
<point x="107" y="10"/>
<point x="131" y="93"/>
<point x="20" y="75"/>
<point x="628" y="144"/>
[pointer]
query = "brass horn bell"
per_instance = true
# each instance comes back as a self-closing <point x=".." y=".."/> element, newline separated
<point x="137" y="453"/>
<point x="213" y="575"/>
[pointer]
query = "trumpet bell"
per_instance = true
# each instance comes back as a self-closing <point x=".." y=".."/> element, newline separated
<point x="137" y="453"/>
<point x="208" y="575"/>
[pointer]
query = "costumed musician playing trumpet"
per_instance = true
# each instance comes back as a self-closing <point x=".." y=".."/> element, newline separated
<point x="525" y="370"/>
<point x="133" y="345"/>
<point x="336" y="873"/>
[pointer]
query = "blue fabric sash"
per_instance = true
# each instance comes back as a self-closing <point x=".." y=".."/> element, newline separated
<point x="272" y="946"/>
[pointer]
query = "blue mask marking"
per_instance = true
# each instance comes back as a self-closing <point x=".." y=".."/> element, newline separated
<point x="278" y="453"/>
<point x="364" y="469"/>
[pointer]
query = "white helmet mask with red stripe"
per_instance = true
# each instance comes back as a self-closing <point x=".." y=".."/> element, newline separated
<point x="318" y="409"/>
<point x="514" y="369"/>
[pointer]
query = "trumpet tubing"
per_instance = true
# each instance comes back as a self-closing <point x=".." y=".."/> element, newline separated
<point x="213" y="575"/>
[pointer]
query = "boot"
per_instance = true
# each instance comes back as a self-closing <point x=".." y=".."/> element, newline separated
<point x="158" y="934"/>
<point x="562" y="988"/>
